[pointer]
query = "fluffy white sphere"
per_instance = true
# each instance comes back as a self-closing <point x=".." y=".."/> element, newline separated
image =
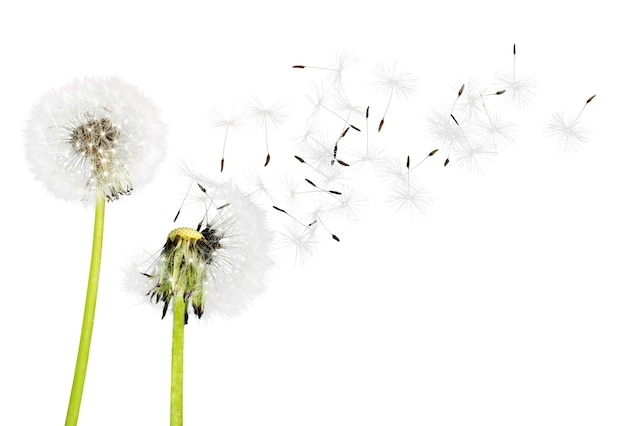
<point x="94" y="135"/>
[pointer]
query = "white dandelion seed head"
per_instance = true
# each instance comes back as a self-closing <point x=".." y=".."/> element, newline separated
<point x="570" y="133"/>
<point x="390" y="82"/>
<point x="94" y="135"/>
<point x="231" y="252"/>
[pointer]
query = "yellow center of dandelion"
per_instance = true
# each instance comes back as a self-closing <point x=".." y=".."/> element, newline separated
<point x="185" y="234"/>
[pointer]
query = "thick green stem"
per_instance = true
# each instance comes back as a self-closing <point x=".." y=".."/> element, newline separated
<point x="88" y="316"/>
<point x="178" y="347"/>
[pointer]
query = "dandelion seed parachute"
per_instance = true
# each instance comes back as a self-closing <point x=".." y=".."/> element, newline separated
<point x="94" y="135"/>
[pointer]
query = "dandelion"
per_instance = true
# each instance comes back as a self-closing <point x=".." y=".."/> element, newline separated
<point x="392" y="83"/>
<point x="95" y="136"/>
<point x="266" y="117"/>
<point x="216" y="267"/>
<point x="93" y="140"/>
<point x="520" y="90"/>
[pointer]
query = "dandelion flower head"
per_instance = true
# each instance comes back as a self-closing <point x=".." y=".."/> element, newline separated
<point x="94" y="135"/>
<point x="219" y="262"/>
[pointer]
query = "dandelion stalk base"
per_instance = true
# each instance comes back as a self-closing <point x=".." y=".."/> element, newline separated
<point x="88" y="316"/>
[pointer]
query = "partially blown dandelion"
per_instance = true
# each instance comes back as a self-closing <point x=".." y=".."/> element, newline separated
<point x="214" y="268"/>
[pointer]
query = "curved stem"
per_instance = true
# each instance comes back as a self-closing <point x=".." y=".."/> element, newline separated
<point x="178" y="346"/>
<point x="88" y="316"/>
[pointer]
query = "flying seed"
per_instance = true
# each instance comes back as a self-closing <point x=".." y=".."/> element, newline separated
<point x="299" y="159"/>
<point x="267" y="160"/>
<point x="222" y="206"/>
<point x="408" y="161"/>
<point x="500" y="92"/>
<point x="380" y="126"/>
<point x="336" y="238"/>
<point x="222" y="165"/>
<point x="343" y="163"/>
<point x="445" y="163"/>
<point x="298" y="66"/>
<point x="433" y="152"/>
<point x="457" y="123"/>
<point x="461" y="90"/>
<point x="590" y="99"/>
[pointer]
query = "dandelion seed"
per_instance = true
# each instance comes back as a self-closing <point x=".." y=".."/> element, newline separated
<point x="342" y="61"/>
<point x="470" y="103"/>
<point x="520" y="90"/>
<point x="292" y="217"/>
<point x="392" y="83"/>
<point x="570" y="133"/>
<point x="272" y="116"/>
<point x="328" y="191"/>
<point x="234" y="122"/>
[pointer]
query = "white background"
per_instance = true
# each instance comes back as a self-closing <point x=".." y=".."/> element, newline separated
<point x="504" y="305"/>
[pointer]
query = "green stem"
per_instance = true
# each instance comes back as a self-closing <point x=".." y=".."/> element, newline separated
<point x="178" y="347"/>
<point x="88" y="316"/>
